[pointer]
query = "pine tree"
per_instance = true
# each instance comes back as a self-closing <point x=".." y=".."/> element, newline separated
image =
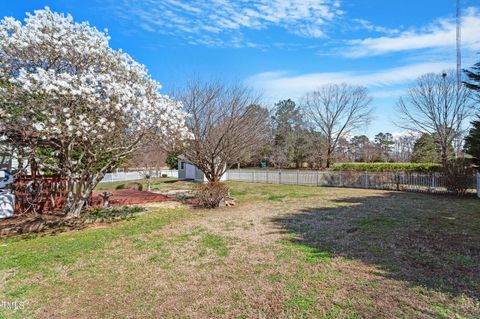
<point x="290" y="145"/>
<point x="472" y="141"/>
<point x="425" y="150"/>
<point x="474" y="79"/>
<point x="384" y="142"/>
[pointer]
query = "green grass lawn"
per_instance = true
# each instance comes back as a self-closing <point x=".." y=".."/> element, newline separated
<point x="283" y="251"/>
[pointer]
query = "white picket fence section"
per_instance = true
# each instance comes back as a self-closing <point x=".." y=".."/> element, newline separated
<point x="131" y="176"/>
<point x="414" y="182"/>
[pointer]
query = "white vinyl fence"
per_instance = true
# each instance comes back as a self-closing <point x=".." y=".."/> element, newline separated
<point x="414" y="182"/>
<point x="130" y="176"/>
<point x="478" y="185"/>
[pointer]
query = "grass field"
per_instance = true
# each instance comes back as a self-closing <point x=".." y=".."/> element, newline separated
<point x="282" y="252"/>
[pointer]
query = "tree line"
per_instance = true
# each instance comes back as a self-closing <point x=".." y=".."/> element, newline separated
<point x="231" y="129"/>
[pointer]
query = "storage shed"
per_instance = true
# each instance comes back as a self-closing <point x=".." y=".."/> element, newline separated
<point x="188" y="171"/>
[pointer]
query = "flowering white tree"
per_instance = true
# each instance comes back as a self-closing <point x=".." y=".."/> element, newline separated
<point x="63" y="86"/>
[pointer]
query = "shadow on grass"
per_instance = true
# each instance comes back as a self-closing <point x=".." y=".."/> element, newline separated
<point x="426" y="240"/>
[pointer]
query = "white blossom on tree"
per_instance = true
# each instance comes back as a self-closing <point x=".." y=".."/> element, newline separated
<point x="61" y="82"/>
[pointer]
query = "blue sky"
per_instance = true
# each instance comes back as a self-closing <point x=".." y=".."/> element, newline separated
<point x="284" y="48"/>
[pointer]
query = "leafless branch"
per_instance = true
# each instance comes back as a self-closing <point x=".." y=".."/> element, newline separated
<point x="336" y="110"/>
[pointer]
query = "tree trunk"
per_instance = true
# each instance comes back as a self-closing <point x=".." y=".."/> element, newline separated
<point x="329" y="159"/>
<point x="444" y="154"/>
<point x="148" y="182"/>
<point x="75" y="208"/>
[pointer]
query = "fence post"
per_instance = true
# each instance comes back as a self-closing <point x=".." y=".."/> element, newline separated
<point x="318" y="178"/>
<point x="280" y="176"/>
<point x="478" y="185"/>
<point x="253" y="176"/>
<point x="266" y="175"/>
<point x="297" y="175"/>
<point x="366" y="179"/>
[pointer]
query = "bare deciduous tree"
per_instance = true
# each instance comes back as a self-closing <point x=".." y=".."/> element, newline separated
<point x="148" y="160"/>
<point x="336" y="110"/>
<point x="225" y="122"/>
<point x="436" y="105"/>
<point x="403" y="148"/>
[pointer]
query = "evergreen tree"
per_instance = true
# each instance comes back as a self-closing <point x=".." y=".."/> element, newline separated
<point x="474" y="77"/>
<point x="385" y="141"/>
<point x="287" y="116"/>
<point x="472" y="141"/>
<point x="172" y="160"/>
<point x="363" y="149"/>
<point x="425" y="150"/>
<point x="290" y="143"/>
<point x="385" y="144"/>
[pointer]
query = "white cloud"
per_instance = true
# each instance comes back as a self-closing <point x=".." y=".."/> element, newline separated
<point x="382" y="83"/>
<point x="406" y="133"/>
<point x="214" y="21"/>
<point x="363" y="24"/>
<point x="438" y="35"/>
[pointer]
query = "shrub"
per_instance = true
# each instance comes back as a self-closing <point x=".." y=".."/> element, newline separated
<point x="389" y="167"/>
<point x="210" y="194"/>
<point x="135" y="186"/>
<point x="458" y="173"/>
<point x="121" y="186"/>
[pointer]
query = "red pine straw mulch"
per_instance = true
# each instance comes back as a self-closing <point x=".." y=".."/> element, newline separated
<point x="34" y="223"/>
<point x="128" y="197"/>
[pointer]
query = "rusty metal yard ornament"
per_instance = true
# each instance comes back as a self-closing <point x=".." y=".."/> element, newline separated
<point x="105" y="196"/>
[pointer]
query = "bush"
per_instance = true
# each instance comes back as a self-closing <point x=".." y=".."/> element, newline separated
<point x="135" y="186"/>
<point x="210" y="194"/>
<point x="389" y="167"/>
<point x="458" y="173"/>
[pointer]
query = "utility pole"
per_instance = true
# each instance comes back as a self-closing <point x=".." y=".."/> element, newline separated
<point x="459" y="45"/>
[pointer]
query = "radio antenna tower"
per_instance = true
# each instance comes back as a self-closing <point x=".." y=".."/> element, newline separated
<point x="459" y="45"/>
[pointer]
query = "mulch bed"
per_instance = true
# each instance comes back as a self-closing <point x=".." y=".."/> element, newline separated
<point x="35" y="223"/>
<point x="39" y="224"/>
<point x="128" y="197"/>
